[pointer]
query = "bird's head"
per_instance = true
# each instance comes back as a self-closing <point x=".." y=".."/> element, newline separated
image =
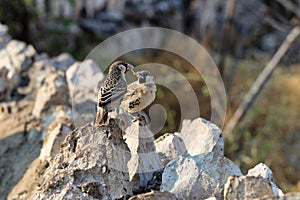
<point x="144" y="76"/>
<point x="121" y="66"/>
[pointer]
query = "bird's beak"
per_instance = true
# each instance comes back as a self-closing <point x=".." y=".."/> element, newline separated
<point x="130" y="67"/>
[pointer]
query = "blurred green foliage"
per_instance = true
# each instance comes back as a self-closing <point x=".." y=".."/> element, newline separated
<point x="14" y="13"/>
<point x="263" y="136"/>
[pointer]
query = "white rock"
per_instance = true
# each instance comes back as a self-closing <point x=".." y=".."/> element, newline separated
<point x="43" y="67"/>
<point x="246" y="187"/>
<point x="62" y="62"/>
<point x="144" y="159"/>
<point x="263" y="171"/>
<point x="20" y="55"/>
<point x="15" y="59"/>
<point x="198" y="177"/>
<point x="54" y="91"/>
<point x="84" y="77"/>
<point x="56" y="133"/>
<point x="37" y="74"/>
<point x="169" y="146"/>
<point x="202" y="136"/>
<point x="9" y="80"/>
<point x="76" y="172"/>
<point x="51" y="114"/>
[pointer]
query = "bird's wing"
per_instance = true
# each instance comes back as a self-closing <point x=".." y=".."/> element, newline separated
<point x="108" y="95"/>
<point x="104" y="96"/>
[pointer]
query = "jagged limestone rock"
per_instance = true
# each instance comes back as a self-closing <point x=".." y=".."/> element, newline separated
<point x="55" y="135"/>
<point x="54" y="91"/>
<point x="258" y="183"/>
<point x="246" y="187"/>
<point x="15" y="59"/>
<point x="198" y="177"/>
<point x="91" y="164"/>
<point x="62" y="62"/>
<point x="44" y="66"/>
<point x="17" y="56"/>
<point x="202" y="136"/>
<point x="197" y="136"/>
<point x="56" y="132"/>
<point x="144" y="159"/>
<point x="169" y="146"/>
<point x="263" y="171"/>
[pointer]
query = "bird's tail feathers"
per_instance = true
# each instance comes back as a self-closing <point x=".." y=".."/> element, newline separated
<point x="101" y="116"/>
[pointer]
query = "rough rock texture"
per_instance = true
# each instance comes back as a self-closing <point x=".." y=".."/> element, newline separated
<point x="197" y="136"/>
<point x="62" y="62"/>
<point x="258" y="183"/>
<point x="20" y="142"/>
<point x="43" y="66"/>
<point x="54" y="91"/>
<point x="154" y="195"/>
<point x="198" y="177"/>
<point x="91" y="165"/>
<point x="56" y="133"/>
<point x="17" y="56"/>
<point x="28" y="183"/>
<point x="201" y="136"/>
<point x="15" y="60"/>
<point x="246" y="187"/>
<point x="144" y="159"/>
<point x="84" y="76"/>
<point x="21" y="133"/>
<point x="263" y="171"/>
<point x="169" y="146"/>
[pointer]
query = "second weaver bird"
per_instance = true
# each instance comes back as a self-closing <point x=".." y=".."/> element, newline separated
<point x="112" y="91"/>
<point x="140" y="93"/>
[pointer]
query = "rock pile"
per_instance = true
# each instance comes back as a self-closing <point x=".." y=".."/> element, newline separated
<point x="35" y="105"/>
<point x="44" y="156"/>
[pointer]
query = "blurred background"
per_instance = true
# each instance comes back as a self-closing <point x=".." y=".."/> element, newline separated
<point x="241" y="37"/>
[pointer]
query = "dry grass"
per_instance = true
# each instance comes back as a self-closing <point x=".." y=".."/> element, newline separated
<point x="269" y="133"/>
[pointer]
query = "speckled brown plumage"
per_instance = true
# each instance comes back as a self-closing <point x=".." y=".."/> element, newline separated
<point x="140" y="93"/>
<point x="112" y="91"/>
